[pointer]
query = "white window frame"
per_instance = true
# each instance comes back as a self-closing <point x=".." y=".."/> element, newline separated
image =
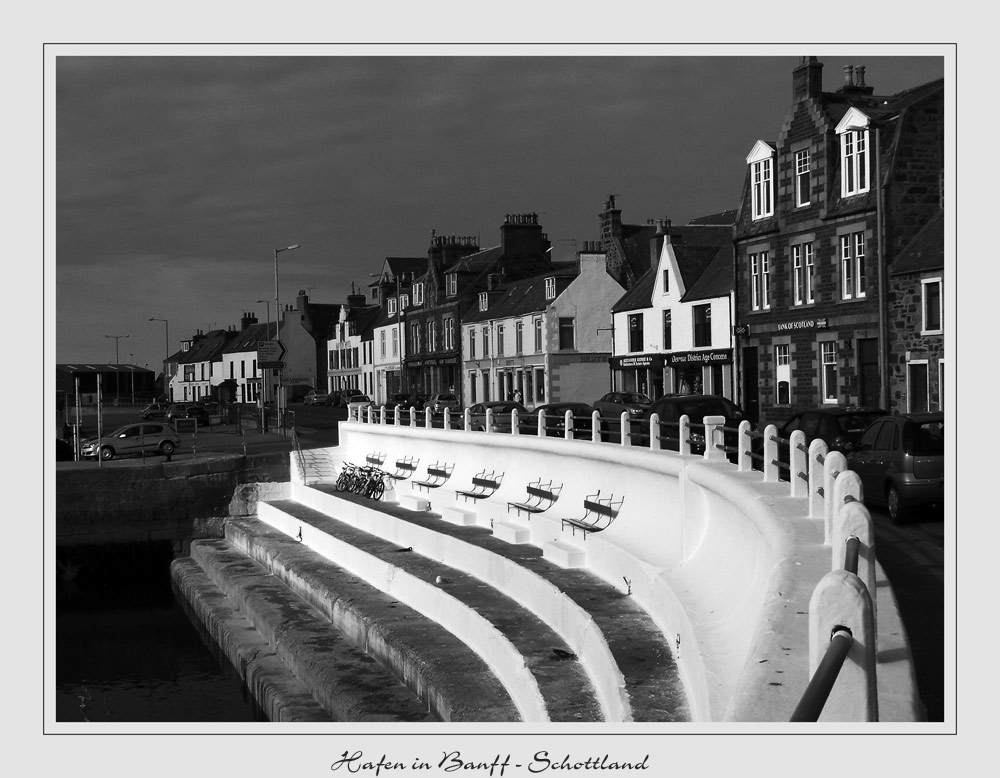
<point x="500" y="340"/>
<point x="940" y="392"/>
<point x="760" y="281"/>
<point x="924" y="283"/>
<point x="855" y="169"/>
<point x="803" y="273"/>
<point x="803" y="177"/>
<point x="449" y="333"/>
<point x="519" y="338"/>
<point x="828" y="365"/>
<point x="483" y="301"/>
<point x="472" y="342"/>
<point x="486" y="341"/>
<point x="853" y="281"/>
<point x="395" y="341"/>
<point x="451" y="284"/>
<point x="404" y="301"/>
<point x="418" y="294"/>
<point x="382" y="344"/>
<point x="431" y="337"/>
<point x="550" y="288"/>
<point x="666" y="280"/>
<point x="909" y="388"/>
<point x="539" y="340"/>
<point x="761" y="162"/>
<point x="782" y="371"/>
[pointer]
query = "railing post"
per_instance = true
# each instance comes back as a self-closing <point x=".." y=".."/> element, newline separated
<point x="446" y="421"/>
<point x="428" y="417"/>
<point x="654" y="432"/>
<point x="466" y="419"/>
<point x="817" y="457"/>
<point x="771" y="469"/>
<point x="515" y="425"/>
<point x="798" y="464"/>
<point x="595" y="427"/>
<point x="854" y="520"/>
<point x="744" y="446"/>
<point x="684" y="434"/>
<point x="413" y="416"/>
<point x="836" y="463"/>
<point x="540" y="424"/>
<point x="842" y="600"/>
<point x="381" y="415"/>
<point x="714" y="437"/>
<point x="489" y="420"/>
<point x="568" y="425"/>
<point x="396" y="418"/>
<point x="624" y="427"/>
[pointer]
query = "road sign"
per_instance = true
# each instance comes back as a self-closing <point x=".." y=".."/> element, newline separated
<point x="269" y="354"/>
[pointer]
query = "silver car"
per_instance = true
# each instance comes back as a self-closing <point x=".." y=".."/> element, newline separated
<point x="149" y="438"/>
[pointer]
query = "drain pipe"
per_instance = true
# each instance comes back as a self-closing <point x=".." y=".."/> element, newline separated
<point x="883" y="291"/>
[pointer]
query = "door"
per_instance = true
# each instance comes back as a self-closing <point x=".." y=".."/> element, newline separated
<point x="751" y="384"/>
<point x="869" y="386"/>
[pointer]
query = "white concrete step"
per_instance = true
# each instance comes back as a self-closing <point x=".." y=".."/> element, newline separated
<point x="415" y="502"/>
<point x="510" y="532"/>
<point x="462" y="516"/>
<point x="563" y="554"/>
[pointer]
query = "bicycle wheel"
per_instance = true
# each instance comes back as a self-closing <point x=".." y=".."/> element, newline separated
<point x="378" y="489"/>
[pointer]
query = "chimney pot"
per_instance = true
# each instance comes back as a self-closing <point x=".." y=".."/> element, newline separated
<point x="859" y="75"/>
<point x="848" y="75"/>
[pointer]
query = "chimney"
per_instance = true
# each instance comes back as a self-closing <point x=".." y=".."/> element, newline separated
<point x="521" y="235"/>
<point x="611" y="221"/>
<point x="807" y="80"/>
<point x="661" y="236"/>
<point x="854" y="80"/>
<point x="247" y="320"/>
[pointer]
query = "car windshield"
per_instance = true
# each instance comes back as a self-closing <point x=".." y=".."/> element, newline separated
<point x="635" y="398"/>
<point x="857" y="422"/>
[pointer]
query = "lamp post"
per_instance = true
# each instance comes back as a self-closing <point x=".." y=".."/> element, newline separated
<point x="117" y="338"/>
<point x="166" y="358"/>
<point x="131" y="372"/>
<point x="268" y="304"/>
<point x="277" y="318"/>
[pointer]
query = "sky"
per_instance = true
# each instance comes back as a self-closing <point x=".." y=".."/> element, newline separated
<point x="178" y="176"/>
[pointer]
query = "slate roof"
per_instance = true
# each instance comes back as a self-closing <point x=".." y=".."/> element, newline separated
<point x="527" y="295"/>
<point x="364" y="320"/>
<point x="207" y="348"/>
<point x="247" y="340"/>
<point x="639" y="296"/>
<point x="476" y="263"/>
<point x="925" y="251"/>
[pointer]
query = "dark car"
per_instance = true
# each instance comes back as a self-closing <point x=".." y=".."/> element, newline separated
<point x="404" y="401"/>
<point x="197" y="412"/>
<point x="335" y="400"/>
<point x="555" y="419"/>
<point x="64" y="450"/>
<point x="154" y="411"/>
<point x="839" y="427"/>
<point x="501" y="415"/>
<point x="132" y="439"/>
<point x="177" y="411"/>
<point x="438" y="402"/>
<point x="900" y="460"/>
<point x="611" y="406"/>
<point x="696" y="407"/>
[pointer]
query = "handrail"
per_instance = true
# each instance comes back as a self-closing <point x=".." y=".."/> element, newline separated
<point x="852" y="552"/>
<point x="300" y="456"/>
<point x="818" y="691"/>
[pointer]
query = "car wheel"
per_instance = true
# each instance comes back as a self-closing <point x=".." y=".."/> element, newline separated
<point x="895" y="506"/>
<point x="107" y="453"/>
<point x="166" y="448"/>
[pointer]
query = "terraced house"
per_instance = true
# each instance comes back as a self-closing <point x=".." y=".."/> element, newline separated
<point x="827" y="210"/>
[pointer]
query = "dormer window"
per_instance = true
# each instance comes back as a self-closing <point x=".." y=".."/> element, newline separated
<point x="854" y="174"/>
<point x="761" y="162"/>
<point x="484" y="301"/>
<point x="418" y="294"/>
<point x="404" y="301"/>
<point x="451" y="284"/>
<point x="392" y="306"/>
<point x="802" y="177"/>
<point x="550" y="288"/>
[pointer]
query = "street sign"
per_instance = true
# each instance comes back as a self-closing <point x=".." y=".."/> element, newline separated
<point x="269" y="354"/>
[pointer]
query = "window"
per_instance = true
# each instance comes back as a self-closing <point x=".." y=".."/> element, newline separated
<point x="231" y="366"/>
<point x="783" y="373"/>
<point x="802" y="182"/>
<point x="566" y="334"/>
<point x="666" y="281"/>
<point x="940" y="384"/>
<point x="539" y="385"/>
<point x="550" y="288"/>
<point x="472" y="343"/>
<point x="486" y="341"/>
<point x="802" y="273"/>
<point x="828" y="370"/>
<point x="931" y="306"/>
<point x="634" y="332"/>
<point x="431" y="339"/>
<point x="404" y="301"/>
<point x="395" y="342"/>
<point x="451" y="284"/>
<point x="415" y="337"/>
<point x="472" y="382"/>
<point x="916" y="387"/>
<point x="500" y="341"/>
<point x="519" y="338"/>
<point x="701" y="316"/>
<point x="852" y="266"/>
<point x="483" y="301"/>
<point x="449" y="333"/>
<point x="667" y="335"/>
<point x="418" y="294"/>
<point x="381" y="339"/>
<point x="760" y="281"/>
<point x="854" y="162"/>
<point x="538" y="335"/>
<point x="392" y="306"/>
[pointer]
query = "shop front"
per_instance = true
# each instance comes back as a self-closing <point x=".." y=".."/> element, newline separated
<point x="643" y="373"/>
<point x="701" y="372"/>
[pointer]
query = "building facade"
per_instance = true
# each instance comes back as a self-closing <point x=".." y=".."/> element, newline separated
<point x="849" y="182"/>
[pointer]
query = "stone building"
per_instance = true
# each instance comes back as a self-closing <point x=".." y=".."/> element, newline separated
<point x="827" y="209"/>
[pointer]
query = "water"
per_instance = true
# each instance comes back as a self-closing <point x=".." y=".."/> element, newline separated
<point x="127" y="651"/>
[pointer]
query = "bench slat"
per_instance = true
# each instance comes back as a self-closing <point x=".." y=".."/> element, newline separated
<point x="543" y="493"/>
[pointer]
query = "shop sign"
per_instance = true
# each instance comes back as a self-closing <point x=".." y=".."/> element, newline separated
<point x="641" y="360"/>
<point x="806" y="324"/>
<point x="723" y="356"/>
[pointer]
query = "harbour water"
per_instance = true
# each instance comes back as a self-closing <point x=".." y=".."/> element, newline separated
<point x="127" y="651"/>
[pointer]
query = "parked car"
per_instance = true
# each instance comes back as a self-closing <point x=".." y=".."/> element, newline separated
<point x="839" y="426"/>
<point x="358" y="402"/>
<point x="314" y="397"/>
<point x="154" y="411"/>
<point x="197" y="412"/>
<point x="211" y="406"/>
<point x="177" y="411"/>
<point x="335" y="400"/>
<point x="900" y="460"/>
<point x="132" y="439"/>
<point x="555" y="419"/>
<point x="501" y="415"/>
<point x="696" y="407"/>
<point x="64" y="450"/>
<point x="404" y="401"/>
<point x="438" y="402"/>
<point x="611" y="406"/>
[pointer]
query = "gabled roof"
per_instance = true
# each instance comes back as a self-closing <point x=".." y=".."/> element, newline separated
<point x="527" y="295"/>
<point x="364" y="320"/>
<point x="925" y="251"/>
<point x="716" y="280"/>
<point x="639" y="296"/>
<point x="247" y="340"/>
<point x="208" y="347"/>
<point x="478" y="262"/>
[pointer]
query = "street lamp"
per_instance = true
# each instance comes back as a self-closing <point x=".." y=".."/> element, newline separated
<point x="166" y="328"/>
<point x="117" y="338"/>
<point x="277" y="316"/>
<point x="268" y="304"/>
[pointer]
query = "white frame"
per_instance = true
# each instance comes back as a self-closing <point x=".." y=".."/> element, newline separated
<point x="782" y="371"/>
<point x="924" y="283"/>
<point x="803" y="273"/>
<point x="803" y="171"/>
<point x="853" y="261"/>
<point x="550" y="288"/>
<point x="927" y="381"/>
<point x="760" y="286"/>
<point x="823" y="380"/>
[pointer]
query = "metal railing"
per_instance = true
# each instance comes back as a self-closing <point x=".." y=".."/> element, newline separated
<point x="821" y="684"/>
